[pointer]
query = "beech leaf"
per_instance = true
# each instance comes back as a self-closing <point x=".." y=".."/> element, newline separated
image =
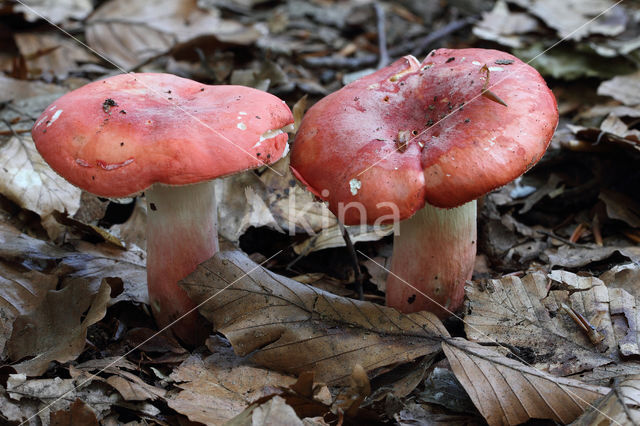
<point x="621" y="406"/>
<point x="293" y="327"/>
<point x="507" y="392"/>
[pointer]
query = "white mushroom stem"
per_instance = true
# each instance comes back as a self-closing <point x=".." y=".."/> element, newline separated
<point x="434" y="251"/>
<point x="181" y="233"/>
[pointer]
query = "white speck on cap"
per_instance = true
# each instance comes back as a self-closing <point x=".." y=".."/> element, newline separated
<point x="354" y="185"/>
<point x="242" y="126"/>
<point x="498" y="69"/>
<point x="54" y="117"/>
<point x="476" y="63"/>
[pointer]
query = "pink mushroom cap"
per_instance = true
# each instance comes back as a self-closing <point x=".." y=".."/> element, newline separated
<point x="459" y="144"/>
<point x="118" y="136"/>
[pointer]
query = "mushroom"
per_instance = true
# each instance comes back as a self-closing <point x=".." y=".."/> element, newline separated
<point x="169" y="137"/>
<point x="420" y="142"/>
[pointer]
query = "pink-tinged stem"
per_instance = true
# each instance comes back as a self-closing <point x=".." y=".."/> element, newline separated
<point x="181" y="233"/>
<point x="434" y="251"/>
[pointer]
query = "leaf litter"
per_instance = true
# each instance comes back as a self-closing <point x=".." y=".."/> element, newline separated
<point x="555" y="278"/>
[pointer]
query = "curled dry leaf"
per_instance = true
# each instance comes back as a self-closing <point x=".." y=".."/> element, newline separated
<point x="273" y="412"/>
<point x="573" y="18"/>
<point x="20" y="292"/>
<point x="27" y="180"/>
<point x="621" y="406"/>
<point x="624" y="88"/>
<point x="78" y="413"/>
<point x="130" y="32"/>
<point x="507" y="392"/>
<point x="517" y="313"/>
<point x="57" y="328"/>
<point x="292" y="327"/>
<point x="217" y="388"/>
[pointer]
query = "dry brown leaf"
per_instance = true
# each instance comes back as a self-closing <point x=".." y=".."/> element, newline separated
<point x="567" y="256"/>
<point x="57" y="328"/>
<point x="93" y="263"/>
<point x="292" y="327"/>
<point x="421" y="414"/>
<point x="507" y="392"/>
<point x="215" y="389"/>
<point x="624" y="88"/>
<point x="527" y="316"/>
<point x="332" y="237"/>
<point x="621" y="406"/>
<point x="27" y="179"/>
<point x="20" y="292"/>
<point x="12" y="89"/>
<point x="505" y="27"/>
<point x="517" y="313"/>
<point x="572" y="18"/>
<point x="295" y="209"/>
<point x="37" y="398"/>
<point x="78" y="413"/>
<point x="51" y="53"/>
<point x="621" y="207"/>
<point x="133" y="388"/>
<point x="56" y="11"/>
<point x="130" y="32"/>
<point x="273" y="412"/>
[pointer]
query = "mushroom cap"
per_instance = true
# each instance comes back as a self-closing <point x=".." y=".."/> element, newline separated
<point x="117" y="136"/>
<point x="461" y="145"/>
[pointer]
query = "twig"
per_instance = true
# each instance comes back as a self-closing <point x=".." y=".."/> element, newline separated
<point x="416" y="46"/>
<point x="564" y="240"/>
<point x="382" y="36"/>
<point x="422" y="44"/>
<point x="354" y="260"/>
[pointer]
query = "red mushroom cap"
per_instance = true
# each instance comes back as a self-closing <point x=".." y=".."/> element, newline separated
<point x="352" y="142"/>
<point x="120" y="135"/>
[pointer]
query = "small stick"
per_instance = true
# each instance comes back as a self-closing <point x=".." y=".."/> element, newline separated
<point x="577" y="233"/>
<point x="485" y="89"/>
<point x="354" y="260"/>
<point x="382" y="36"/>
<point x="596" y="230"/>
<point x="594" y="335"/>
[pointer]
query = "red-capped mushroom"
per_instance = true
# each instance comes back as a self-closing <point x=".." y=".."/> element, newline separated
<point x="169" y="137"/>
<point x="384" y="148"/>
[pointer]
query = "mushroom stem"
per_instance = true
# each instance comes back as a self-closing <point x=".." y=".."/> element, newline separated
<point x="181" y="233"/>
<point x="434" y="251"/>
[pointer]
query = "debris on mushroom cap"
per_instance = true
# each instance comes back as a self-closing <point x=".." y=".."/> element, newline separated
<point x="166" y="129"/>
<point x="465" y="144"/>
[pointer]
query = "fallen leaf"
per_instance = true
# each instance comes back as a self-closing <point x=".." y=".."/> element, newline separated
<point x="133" y="388"/>
<point x="27" y="179"/>
<point x="332" y="237"/>
<point x="91" y="264"/>
<point x="273" y="412"/>
<point x="505" y="27"/>
<point x="20" y="292"/>
<point x="219" y="387"/>
<point x="507" y="392"/>
<point x="78" y="413"/>
<point x="57" y="328"/>
<point x="51" y="53"/>
<point x="621" y="406"/>
<point x="130" y="33"/>
<point x="442" y="388"/>
<point x="566" y="256"/>
<point x="573" y="18"/>
<point x="413" y="414"/>
<point x="292" y="327"/>
<point x="37" y="398"/>
<point x="55" y="11"/>
<point x="623" y="88"/>
<point x="522" y="314"/>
